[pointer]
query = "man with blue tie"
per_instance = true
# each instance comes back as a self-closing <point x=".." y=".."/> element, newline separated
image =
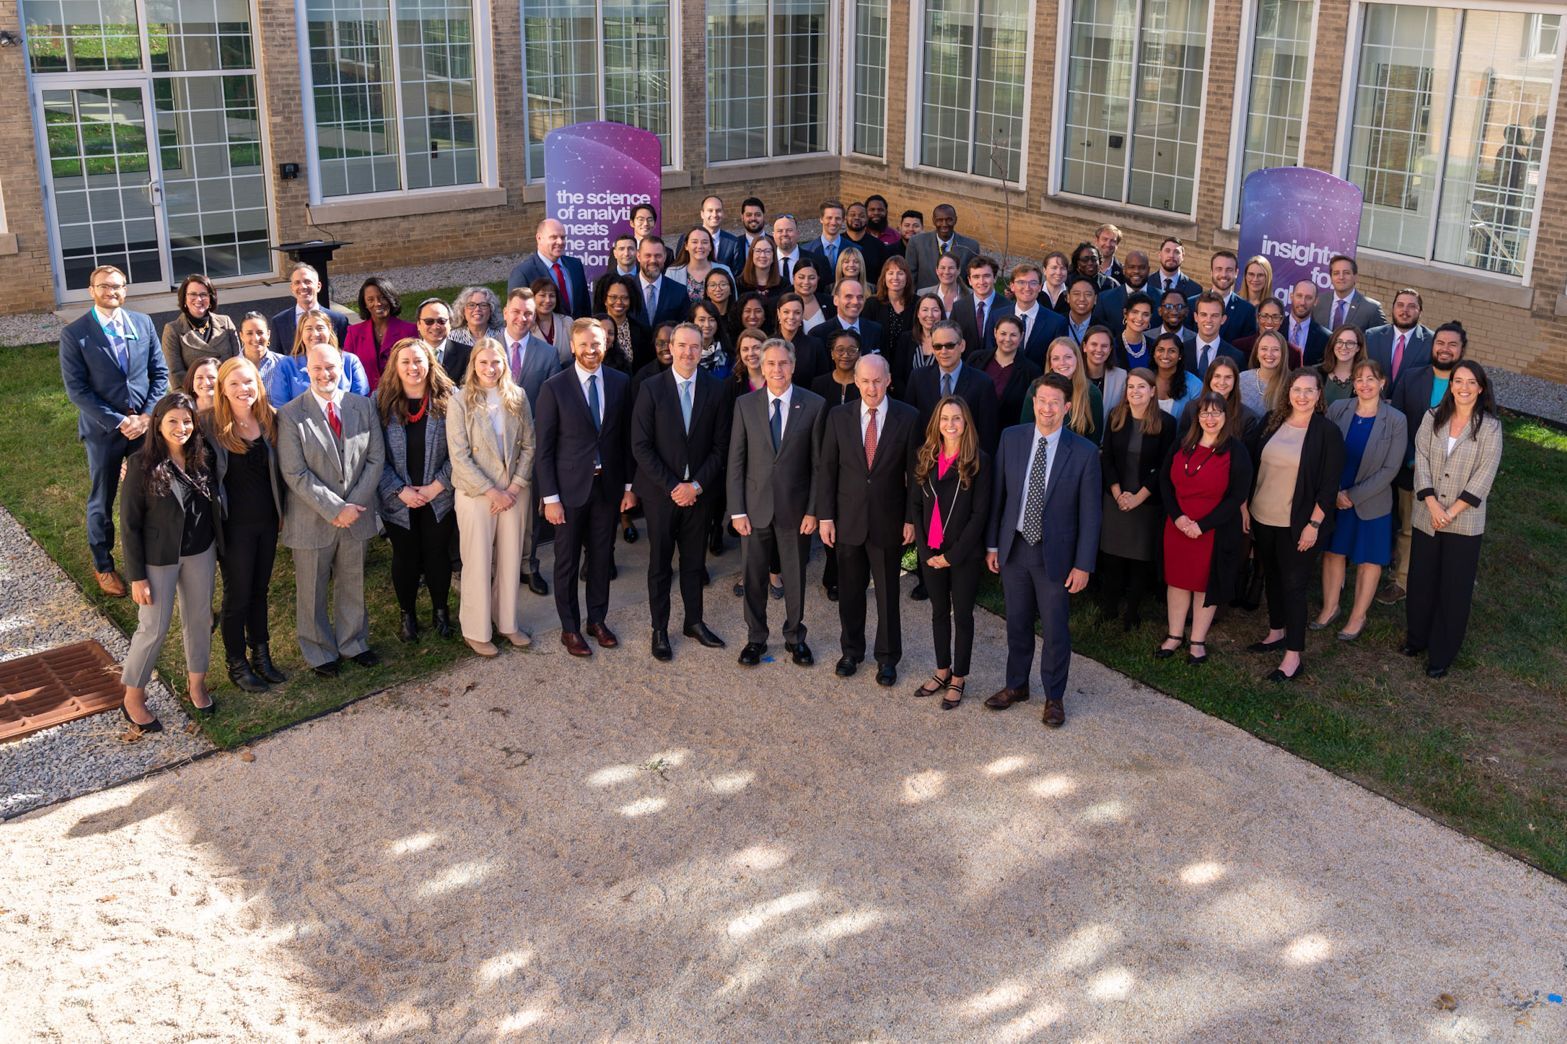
<point x="1170" y="277"/>
<point x="663" y="299"/>
<point x="550" y="261"/>
<point x="1047" y="504"/>
<point x="830" y="244"/>
<point x="114" y="374"/>
<point x="582" y="466"/>
<point x="848" y="297"/>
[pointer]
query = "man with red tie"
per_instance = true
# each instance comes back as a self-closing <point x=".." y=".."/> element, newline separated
<point x="551" y="262"/>
<point x="1404" y="344"/>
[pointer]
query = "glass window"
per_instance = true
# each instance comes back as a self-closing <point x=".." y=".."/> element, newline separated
<point x="1135" y="91"/>
<point x="396" y="101"/>
<point x="1276" y="88"/>
<point x="566" y="44"/>
<point x="766" y="78"/>
<point x="975" y="69"/>
<point x="868" y="135"/>
<point x="82" y="35"/>
<point x="1449" y="125"/>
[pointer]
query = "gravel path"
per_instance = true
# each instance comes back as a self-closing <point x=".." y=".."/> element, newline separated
<point x="40" y="608"/>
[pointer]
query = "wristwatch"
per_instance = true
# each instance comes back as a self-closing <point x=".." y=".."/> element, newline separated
<point x="1313" y="523"/>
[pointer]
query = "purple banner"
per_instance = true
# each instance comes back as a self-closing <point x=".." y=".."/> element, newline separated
<point x="1298" y="218"/>
<point x="594" y="173"/>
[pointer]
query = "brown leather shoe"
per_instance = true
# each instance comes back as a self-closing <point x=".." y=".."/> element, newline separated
<point x="603" y="635"/>
<point x="111" y="583"/>
<point x="574" y="644"/>
<point x="1055" y="714"/>
<point x="1006" y="698"/>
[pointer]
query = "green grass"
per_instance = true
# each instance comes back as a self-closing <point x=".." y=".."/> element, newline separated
<point x="1484" y="751"/>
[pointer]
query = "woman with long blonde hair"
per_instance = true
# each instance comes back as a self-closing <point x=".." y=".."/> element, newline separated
<point x="1087" y="414"/>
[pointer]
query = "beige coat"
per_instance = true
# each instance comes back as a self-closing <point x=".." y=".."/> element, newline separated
<point x="477" y="462"/>
<point x="1466" y="473"/>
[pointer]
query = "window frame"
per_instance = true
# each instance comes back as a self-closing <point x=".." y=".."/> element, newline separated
<point x="484" y="106"/>
<point x="1068" y="12"/>
<point x="831" y="134"/>
<point x="676" y="121"/>
<point x="915" y="95"/>
<point x="1353" y="39"/>
<point x="1243" y="70"/>
<point x="850" y="83"/>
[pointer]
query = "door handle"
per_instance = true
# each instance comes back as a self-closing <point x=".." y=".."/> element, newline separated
<point x="154" y="192"/>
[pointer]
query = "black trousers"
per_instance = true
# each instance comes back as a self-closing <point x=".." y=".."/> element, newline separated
<point x="248" y="554"/>
<point x="591" y="525"/>
<point x="952" y="592"/>
<point x="1286" y="574"/>
<point x="1123" y="578"/>
<point x="1442" y="571"/>
<point x="671" y="528"/>
<point x="423" y="550"/>
<point x="857" y="565"/>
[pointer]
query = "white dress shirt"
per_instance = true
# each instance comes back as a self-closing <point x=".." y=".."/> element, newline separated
<point x="1053" y="443"/>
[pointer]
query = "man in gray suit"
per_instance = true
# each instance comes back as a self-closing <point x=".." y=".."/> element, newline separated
<point x="1347" y="304"/>
<point x="774" y="443"/>
<point x="532" y="362"/>
<point x="331" y="452"/>
<point x="926" y="248"/>
<point x="1402" y="346"/>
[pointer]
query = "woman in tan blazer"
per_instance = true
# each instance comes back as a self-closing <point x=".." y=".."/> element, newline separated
<point x="489" y="437"/>
<point x="1457" y="452"/>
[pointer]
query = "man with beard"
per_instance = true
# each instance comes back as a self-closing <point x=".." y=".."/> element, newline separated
<point x="876" y="215"/>
<point x="857" y="233"/>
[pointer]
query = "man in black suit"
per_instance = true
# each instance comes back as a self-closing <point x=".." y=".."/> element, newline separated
<point x="862" y="494"/>
<point x="1240" y="315"/>
<point x="858" y="234"/>
<point x="848" y="297"/>
<point x="928" y="385"/>
<point x="775" y="441"/>
<point x="1170" y="277"/>
<point x="1208" y="345"/>
<point x="662" y="300"/>
<point x="582" y="466"/>
<point x="1107" y="238"/>
<point x="680" y="442"/>
<point x="305" y="284"/>
<point x="1041" y="325"/>
<point x="976" y="312"/>
<point x="1308" y="338"/>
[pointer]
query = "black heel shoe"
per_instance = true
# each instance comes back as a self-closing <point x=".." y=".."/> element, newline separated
<point x="442" y="618"/>
<point x="948" y="703"/>
<point x="152" y="726"/>
<point x="1192" y="658"/>
<point x="244" y="676"/>
<point x="261" y="663"/>
<point x="408" y="630"/>
<point x="1161" y="653"/>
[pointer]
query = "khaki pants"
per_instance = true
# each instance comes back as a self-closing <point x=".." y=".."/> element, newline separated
<point x="1406" y="504"/>
<point x="492" y="550"/>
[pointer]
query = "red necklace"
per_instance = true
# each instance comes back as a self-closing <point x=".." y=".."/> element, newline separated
<point x="424" y="405"/>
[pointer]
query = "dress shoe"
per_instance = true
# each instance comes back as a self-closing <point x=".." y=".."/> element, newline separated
<point x="519" y="639"/>
<point x="1350" y="636"/>
<point x="243" y="676"/>
<point x="575" y="644"/>
<point x="1278" y="675"/>
<point x="776" y="590"/>
<point x="846" y="667"/>
<point x="368" y="658"/>
<point x="919" y="593"/>
<point x="751" y="655"/>
<point x="111" y="583"/>
<point x="630" y="534"/>
<point x="209" y="710"/>
<point x="706" y="638"/>
<point x="330" y="669"/>
<point x="661" y="650"/>
<point x="936" y="684"/>
<point x="1323" y="625"/>
<point x="261" y="663"/>
<point x="408" y="629"/>
<point x="1161" y="653"/>
<point x="886" y="675"/>
<point x="1410" y="650"/>
<point x="832" y="592"/>
<point x="955" y="694"/>
<point x="1055" y="714"/>
<point x="1436" y="672"/>
<point x="603" y="635"/>
<point x="1391" y="593"/>
<point x="1192" y="658"/>
<point x="442" y="618"/>
<point x="1006" y="698"/>
<point x="800" y="653"/>
<point x="1262" y="647"/>
<point x="152" y="726"/>
<point x="483" y="648"/>
<point x="538" y="585"/>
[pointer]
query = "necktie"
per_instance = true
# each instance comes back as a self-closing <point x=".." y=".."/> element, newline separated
<point x="122" y="354"/>
<point x="946" y="248"/>
<point x="560" y="286"/>
<point x="516" y="361"/>
<point x="788" y="277"/>
<point x="1339" y="311"/>
<point x="652" y="301"/>
<point x="832" y="253"/>
<point x="870" y="440"/>
<point x="979" y="318"/>
<point x="333" y="421"/>
<point x="1398" y="356"/>
<point x="1202" y="360"/>
<point x="1298" y="335"/>
<point x="685" y="405"/>
<point x="946" y="384"/>
<point x="1034" y="503"/>
<point x="593" y="401"/>
<point x="777" y="423"/>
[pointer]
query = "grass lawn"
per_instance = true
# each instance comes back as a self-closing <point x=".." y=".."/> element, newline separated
<point x="1484" y="751"/>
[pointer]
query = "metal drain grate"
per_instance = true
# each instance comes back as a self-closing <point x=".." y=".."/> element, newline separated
<point x="57" y="685"/>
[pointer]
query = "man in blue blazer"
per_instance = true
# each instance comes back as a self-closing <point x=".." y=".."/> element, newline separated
<point x="1044" y="537"/>
<point x="1041" y="325"/>
<point x="1402" y="346"/>
<point x="114" y="374"/>
<point x="1240" y="315"/>
<point x="669" y="299"/>
<point x="550" y="262"/>
<point x="304" y="282"/>
<point x="1198" y="353"/>
<point x="582" y="466"/>
<point x="1169" y="276"/>
<point x="848" y="297"/>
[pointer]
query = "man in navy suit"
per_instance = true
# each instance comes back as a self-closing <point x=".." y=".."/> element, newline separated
<point x="1404" y="344"/>
<point x="550" y="262"/>
<point x="680" y="442"/>
<point x="848" y="297"/>
<point x="1170" y="277"/>
<point x="1044" y="537"/>
<point x="728" y="248"/>
<point x="582" y="466"/>
<point x="1041" y="325"/>
<point x="976" y="312"/>
<point x="826" y="247"/>
<point x="929" y="384"/>
<point x="1240" y="315"/>
<point x="304" y="282"/>
<point x="1308" y="338"/>
<point x="533" y="361"/>
<point x="663" y="299"/>
<point x="114" y="374"/>
<point x="1209" y="344"/>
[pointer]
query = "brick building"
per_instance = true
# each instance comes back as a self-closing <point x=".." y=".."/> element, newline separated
<point x="172" y="136"/>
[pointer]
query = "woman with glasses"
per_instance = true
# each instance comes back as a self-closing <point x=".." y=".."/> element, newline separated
<point x="476" y="314"/>
<point x="199" y="332"/>
<point x="1346" y="349"/>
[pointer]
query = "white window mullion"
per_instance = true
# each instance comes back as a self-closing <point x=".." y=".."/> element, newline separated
<point x="603" y="63"/>
<point x="1449" y="91"/>
<point x="973" y="92"/>
<point x="1131" y="107"/>
<point x="397" y="97"/>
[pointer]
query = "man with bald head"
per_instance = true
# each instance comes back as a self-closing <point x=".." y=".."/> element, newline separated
<point x="552" y="262"/>
<point x="862" y="500"/>
<point x="330" y="451"/>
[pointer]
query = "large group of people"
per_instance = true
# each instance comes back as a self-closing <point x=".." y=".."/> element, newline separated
<point x="1099" y="419"/>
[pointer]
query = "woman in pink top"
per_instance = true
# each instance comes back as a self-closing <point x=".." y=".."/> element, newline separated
<point x="371" y="341"/>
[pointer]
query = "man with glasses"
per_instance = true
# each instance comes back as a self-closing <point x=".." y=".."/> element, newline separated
<point x="1041" y="325"/>
<point x="929" y="384"/>
<point x="114" y="374"/>
<point x="435" y="324"/>
<point x="1172" y="316"/>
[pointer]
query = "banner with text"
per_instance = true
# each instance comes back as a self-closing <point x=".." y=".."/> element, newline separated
<point x="1298" y="218"/>
<point x="594" y="173"/>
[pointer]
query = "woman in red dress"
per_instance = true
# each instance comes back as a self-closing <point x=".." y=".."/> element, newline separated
<point x="1206" y="480"/>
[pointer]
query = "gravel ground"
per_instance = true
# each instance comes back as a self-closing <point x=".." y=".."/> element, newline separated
<point x="40" y="608"/>
<point x="545" y="849"/>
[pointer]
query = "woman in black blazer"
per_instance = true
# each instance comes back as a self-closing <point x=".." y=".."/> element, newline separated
<point x="950" y="500"/>
<point x="1138" y="437"/>
<point x="241" y="430"/>
<point x="630" y="342"/>
<point x="1016" y="371"/>
<point x="1292" y="509"/>
<point x="168" y="520"/>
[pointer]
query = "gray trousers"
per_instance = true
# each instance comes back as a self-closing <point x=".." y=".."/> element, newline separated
<point x="793" y="552"/>
<point x="339" y="567"/>
<point x="192" y="581"/>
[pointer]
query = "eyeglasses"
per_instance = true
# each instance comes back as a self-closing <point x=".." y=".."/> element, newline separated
<point x="944" y="344"/>
<point x="1210" y="413"/>
<point x="197" y="296"/>
<point x="434" y="322"/>
<point x="1025" y="282"/>
<point x="109" y="286"/>
<point x="1348" y="342"/>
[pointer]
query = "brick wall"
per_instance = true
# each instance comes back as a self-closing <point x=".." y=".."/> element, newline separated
<point x="26" y="279"/>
